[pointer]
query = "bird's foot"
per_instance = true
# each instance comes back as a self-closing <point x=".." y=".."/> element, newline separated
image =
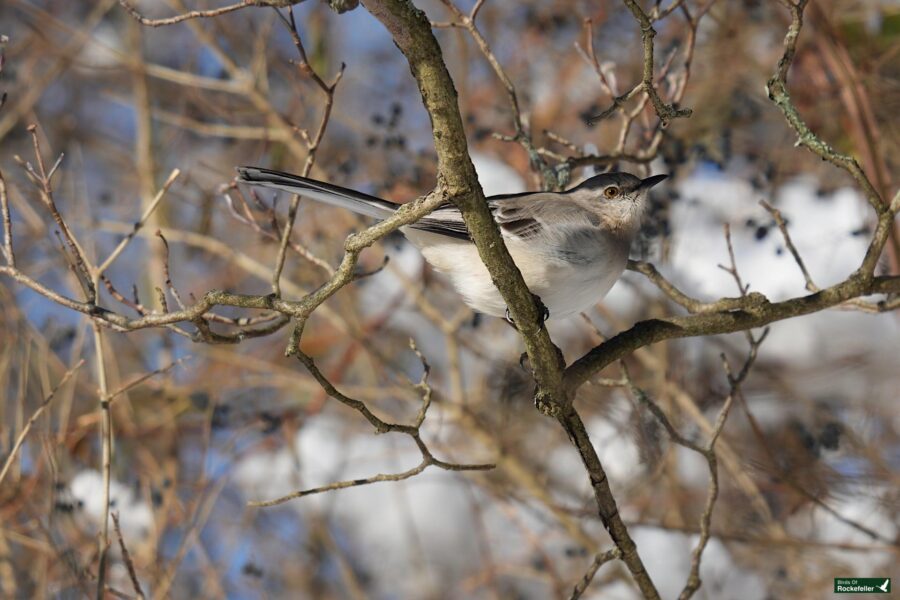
<point x="544" y="312"/>
<point x="524" y="362"/>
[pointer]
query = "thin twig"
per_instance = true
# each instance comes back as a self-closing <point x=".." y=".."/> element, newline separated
<point x="106" y="443"/>
<point x="138" y="224"/>
<point x="692" y="304"/>
<point x="522" y="134"/>
<point x="709" y="452"/>
<point x="666" y="112"/>
<point x="3" y="41"/>
<point x="777" y="89"/>
<point x="380" y="426"/>
<point x="138" y="381"/>
<point x="782" y="227"/>
<point x="600" y="559"/>
<point x="126" y="558"/>
<point x="43" y="183"/>
<point x="422" y="385"/>
<point x="312" y="144"/>
<point x="195" y="14"/>
<point x="732" y="268"/>
<point x="273" y="232"/>
<point x="651" y="142"/>
<point x="166" y="273"/>
<point x="340" y="485"/>
<point x="8" y="254"/>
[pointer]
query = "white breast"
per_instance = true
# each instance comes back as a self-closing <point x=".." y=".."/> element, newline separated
<point x="566" y="288"/>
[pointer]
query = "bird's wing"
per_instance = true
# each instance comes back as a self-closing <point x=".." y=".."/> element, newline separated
<point x="539" y="215"/>
<point x="447" y="220"/>
<point x="522" y="216"/>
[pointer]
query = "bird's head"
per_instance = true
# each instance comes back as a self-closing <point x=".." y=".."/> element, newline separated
<point x="618" y="199"/>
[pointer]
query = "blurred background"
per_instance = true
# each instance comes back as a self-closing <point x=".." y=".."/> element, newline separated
<point x="809" y="460"/>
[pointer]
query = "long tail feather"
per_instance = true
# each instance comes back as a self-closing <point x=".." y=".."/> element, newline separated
<point x="335" y="195"/>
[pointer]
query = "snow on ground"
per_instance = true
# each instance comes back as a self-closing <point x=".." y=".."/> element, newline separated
<point x="421" y="527"/>
<point x="86" y="494"/>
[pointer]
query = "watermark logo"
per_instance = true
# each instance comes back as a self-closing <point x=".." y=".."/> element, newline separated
<point x="862" y="585"/>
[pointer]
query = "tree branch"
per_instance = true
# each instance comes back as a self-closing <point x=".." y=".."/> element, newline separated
<point x="200" y="14"/>
<point x="747" y="316"/>
<point x="777" y="90"/>
<point x="666" y="112"/>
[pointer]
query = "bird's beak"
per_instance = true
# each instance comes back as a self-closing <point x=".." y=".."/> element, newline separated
<point x="648" y="183"/>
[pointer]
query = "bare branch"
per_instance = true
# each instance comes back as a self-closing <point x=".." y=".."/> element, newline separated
<point x="42" y="181"/>
<point x="273" y="232"/>
<point x="600" y="559"/>
<point x="328" y="89"/>
<point x="709" y="452"/>
<point x="200" y="14"/>
<point x="165" y="265"/>
<point x="380" y="426"/>
<point x="126" y="558"/>
<point x="8" y="254"/>
<point x="692" y="304"/>
<point x="777" y="90"/>
<point x="732" y="269"/>
<point x="100" y="270"/>
<point x="782" y="227"/>
<point x="666" y="112"/>
<point x="522" y="135"/>
<point x="340" y="485"/>
<point x="146" y="376"/>
<point x="412" y="33"/>
<point x="3" y="41"/>
<point x="106" y="450"/>
<point x="422" y="385"/>
<point x="749" y="315"/>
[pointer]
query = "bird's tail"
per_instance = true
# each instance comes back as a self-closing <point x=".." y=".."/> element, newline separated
<point x="335" y="195"/>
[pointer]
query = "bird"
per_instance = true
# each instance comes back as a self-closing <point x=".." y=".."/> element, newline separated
<point x="570" y="246"/>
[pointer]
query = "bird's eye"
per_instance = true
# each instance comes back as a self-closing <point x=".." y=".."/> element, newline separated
<point x="611" y="192"/>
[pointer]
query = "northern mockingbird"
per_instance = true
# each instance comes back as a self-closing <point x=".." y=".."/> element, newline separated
<point x="571" y="246"/>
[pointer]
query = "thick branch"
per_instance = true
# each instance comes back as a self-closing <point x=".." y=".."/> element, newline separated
<point x="752" y="314"/>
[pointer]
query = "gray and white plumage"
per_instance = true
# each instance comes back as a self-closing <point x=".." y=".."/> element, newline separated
<point x="571" y="246"/>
